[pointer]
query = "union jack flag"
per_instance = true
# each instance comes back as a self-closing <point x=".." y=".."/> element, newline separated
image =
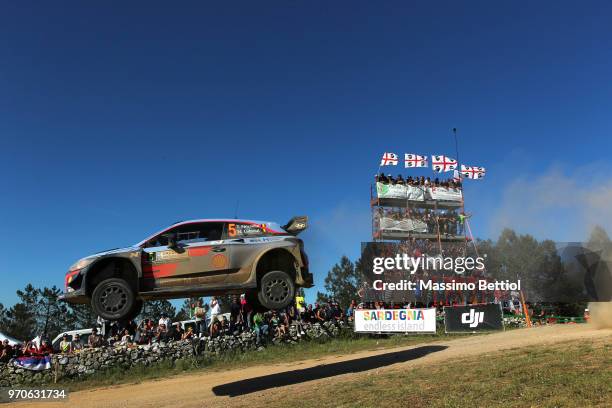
<point x="389" y="159"/>
<point x="473" y="172"/>
<point x="414" y="160"/>
<point x="443" y="163"/>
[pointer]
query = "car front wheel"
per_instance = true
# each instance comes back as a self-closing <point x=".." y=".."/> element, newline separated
<point x="113" y="299"/>
<point x="276" y="290"/>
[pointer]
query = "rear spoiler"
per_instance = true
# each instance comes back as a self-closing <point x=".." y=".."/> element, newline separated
<point x="296" y="225"/>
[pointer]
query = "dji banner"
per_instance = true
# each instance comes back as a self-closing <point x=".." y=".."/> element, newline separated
<point x="461" y="319"/>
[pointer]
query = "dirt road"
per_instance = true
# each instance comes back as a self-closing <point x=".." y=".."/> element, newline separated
<point x="251" y="385"/>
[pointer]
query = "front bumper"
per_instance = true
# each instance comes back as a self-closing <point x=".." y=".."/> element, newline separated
<point x="74" y="285"/>
<point x="76" y="296"/>
<point x="307" y="279"/>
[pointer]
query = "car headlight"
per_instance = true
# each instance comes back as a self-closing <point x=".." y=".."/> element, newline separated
<point x="82" y="263"/>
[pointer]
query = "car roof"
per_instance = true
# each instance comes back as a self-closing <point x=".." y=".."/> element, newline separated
<point x="274" y="225"/>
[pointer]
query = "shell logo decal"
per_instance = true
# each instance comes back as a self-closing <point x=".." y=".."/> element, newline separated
<point x="219" y="261"/>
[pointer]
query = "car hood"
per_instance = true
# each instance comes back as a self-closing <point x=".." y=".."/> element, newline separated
<point x="113" y="251"/>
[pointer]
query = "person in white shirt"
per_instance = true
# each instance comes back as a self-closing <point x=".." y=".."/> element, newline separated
<point x="165" y="320"/>
<point x="215" y="309"/>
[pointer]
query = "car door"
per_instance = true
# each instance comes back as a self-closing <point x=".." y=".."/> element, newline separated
<point x="200" y="256"/>
<point x="246" y="241"/>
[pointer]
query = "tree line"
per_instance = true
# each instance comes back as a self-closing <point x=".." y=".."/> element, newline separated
<point x="39" y="312"/>
<point x="544" y="274"/>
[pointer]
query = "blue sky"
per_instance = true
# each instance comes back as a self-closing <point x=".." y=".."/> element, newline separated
<point x="116" y="120"/>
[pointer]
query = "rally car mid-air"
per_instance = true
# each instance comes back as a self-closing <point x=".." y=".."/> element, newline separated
<point x="195" y="258"/>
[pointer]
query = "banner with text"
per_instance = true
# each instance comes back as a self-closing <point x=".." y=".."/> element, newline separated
<point x="395" y="321"/>
<point x="412" y="193"/>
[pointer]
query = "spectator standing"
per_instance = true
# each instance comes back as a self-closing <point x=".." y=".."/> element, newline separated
<point x="247" y="311"/>
<point x="165" y="320"/>
<point x="215" y="309"/>
<point x="200" y="318"/>
<point x="300" y="304"/>
<point x="260" y="327"/>
<point x="235" y="313"/>
<point x="350" y="311"/>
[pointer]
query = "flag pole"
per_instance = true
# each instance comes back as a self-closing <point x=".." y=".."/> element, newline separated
<point x="459" y="170"/>
<point x="456" y="147"/>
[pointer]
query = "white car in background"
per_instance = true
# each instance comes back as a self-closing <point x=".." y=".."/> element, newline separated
<point x="12" y="341"/>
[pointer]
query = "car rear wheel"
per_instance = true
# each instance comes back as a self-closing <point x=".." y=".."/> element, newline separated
<point x="113" y="299"/>
<point x="276" y="290"/>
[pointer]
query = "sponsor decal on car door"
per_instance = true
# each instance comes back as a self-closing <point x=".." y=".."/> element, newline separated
<point x="200" y="257"/>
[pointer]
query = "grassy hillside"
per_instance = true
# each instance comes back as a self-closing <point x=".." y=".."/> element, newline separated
<point x="563" y="375"/>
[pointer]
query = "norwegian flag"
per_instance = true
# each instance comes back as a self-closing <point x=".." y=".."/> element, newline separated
<point x="414" y="160"/>
<point x="443" y="163"/>
<point x="473" y="172"/>
<point x="389" y="159"/>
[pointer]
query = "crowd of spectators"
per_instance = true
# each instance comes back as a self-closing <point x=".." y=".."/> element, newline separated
<point x="417" y="181"/>
<point x="36" y="347"/>
<point x="208" y="321"/>
<point x="443" y="221"/>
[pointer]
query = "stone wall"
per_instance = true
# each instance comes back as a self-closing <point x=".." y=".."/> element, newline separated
<point x="91" y="361"/>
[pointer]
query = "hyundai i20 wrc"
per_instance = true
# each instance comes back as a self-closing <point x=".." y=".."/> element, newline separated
<point x="195" y="258"/>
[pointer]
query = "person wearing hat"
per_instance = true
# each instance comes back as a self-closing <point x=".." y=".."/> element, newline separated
<point x="65" y="345"/>
<point x="94" y="339"/>
<point x="77" y="345"/>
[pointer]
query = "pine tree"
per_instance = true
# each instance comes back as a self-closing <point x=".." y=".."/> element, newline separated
<point x="342" y="282"/>
<point x="80" y="316"/>
<point x="51" y="313"/>
<point x="21" y="318"/>
<point x="153" y="309"/>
